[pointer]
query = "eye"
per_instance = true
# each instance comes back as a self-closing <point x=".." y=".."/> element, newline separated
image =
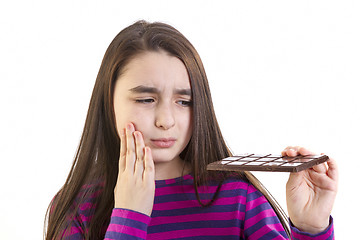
<point x="146" y="101"/>
<point x="185" y="103"/>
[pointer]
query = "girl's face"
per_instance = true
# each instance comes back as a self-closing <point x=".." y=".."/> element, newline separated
<point x="154" y="93"/>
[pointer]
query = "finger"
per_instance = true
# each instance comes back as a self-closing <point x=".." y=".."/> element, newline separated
<point x="289" y="151"/>
<point x="122" y="156"/>
<point x="304" y="151"/>
<point x="284" y="152"/>
<point x="139" y="146"/>
<point x="320" y="168"/>
<point x="333" y="171"/>
<point x="327" y="177"/>
<point x="293" y="151"/>
<point x="130" y="147"/>
<point x="149" y="172"/>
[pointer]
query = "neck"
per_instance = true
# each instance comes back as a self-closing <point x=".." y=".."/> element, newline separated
<point x="173" y="169"/>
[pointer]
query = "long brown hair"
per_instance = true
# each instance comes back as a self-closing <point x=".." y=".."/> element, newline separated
<point x="97" y="156"/>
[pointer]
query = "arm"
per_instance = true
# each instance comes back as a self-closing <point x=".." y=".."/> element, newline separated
<point x="125" y="224"/>
<point x="133" y="193"/>
<point x="135" y="188"/>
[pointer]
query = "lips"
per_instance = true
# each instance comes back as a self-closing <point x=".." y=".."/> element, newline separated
<point x="163" y="142"/>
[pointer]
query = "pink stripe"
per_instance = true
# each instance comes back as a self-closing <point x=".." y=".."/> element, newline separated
<point x="91" y="185"/>
<point x="72" y="231"/>
<point x="190" y="189"/>
<point x="85" y="218"/>
<point x="186" y="177"/>
<point x="279" y="237"/>
<point x="93" y="195"/>
<point x="251" y="189"/>
<point x="124" y="213"/>
<point x="195" y="203"/>
<point x="96" y="194"/>
<point x="267" y="228"/>
<point x="263" y="214"/>
<point x="86" y="206"/>
<point x="87" y="186"/>
<point x="197" y="217"/>
<point x="127" y="230"/>
<point x="170" y="181"/>
<point x="195" y="232"/>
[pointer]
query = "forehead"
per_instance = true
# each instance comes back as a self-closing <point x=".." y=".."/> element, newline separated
<point x="155" y="69"/>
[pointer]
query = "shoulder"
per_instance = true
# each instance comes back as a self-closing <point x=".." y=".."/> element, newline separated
<point x="233" y="188"/>
<point x="72" y="212"/>
<point x="236" y="182"/>
<point x="239" y="185"/>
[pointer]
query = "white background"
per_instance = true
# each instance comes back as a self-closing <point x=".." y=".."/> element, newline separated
<point x="281" y="73"/>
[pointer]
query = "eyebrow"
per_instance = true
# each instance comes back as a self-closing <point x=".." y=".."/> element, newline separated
<point x="145" y="89"/>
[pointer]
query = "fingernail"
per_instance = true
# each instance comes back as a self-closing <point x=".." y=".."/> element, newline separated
<point x="129" y="126"/>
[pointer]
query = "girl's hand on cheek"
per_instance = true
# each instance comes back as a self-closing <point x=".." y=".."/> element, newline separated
<point x="135" y="186"/>
<point x="310" y="194"/>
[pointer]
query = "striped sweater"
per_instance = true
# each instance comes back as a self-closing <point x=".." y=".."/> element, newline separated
<point x="239" y="212"/>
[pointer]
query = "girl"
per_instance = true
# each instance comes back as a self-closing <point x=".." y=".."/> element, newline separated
<point x="140" y="169"/>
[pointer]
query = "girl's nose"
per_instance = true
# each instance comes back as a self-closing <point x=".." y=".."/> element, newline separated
<point x="164" y="117"/>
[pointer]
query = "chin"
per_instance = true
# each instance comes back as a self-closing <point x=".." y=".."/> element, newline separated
<point x="163" y="157"/>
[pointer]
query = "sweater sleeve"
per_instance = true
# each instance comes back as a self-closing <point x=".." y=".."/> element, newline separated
<point x="127" y="224"/>
<point x="327" y="234"/>
<point x="261" y="221"/>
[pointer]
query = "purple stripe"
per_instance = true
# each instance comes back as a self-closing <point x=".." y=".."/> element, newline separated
<point x="194" y="203"/>
<point x="127" y="230"/>
<point x="129" y="214"/>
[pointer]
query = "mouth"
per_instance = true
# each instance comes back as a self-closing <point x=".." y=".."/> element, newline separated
<point x="163" y="142"/>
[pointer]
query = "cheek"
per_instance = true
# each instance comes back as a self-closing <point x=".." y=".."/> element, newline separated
<point x="140" y="120"/>
<point x="187" y="124"/>
<point x="124" y="116"/>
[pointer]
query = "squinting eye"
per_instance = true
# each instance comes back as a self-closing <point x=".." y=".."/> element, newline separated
<point x="148" y="100"/>
<point x="185" y="103"/>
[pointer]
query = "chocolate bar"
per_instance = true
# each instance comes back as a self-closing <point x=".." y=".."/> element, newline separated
<point x="267" y="162"/>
